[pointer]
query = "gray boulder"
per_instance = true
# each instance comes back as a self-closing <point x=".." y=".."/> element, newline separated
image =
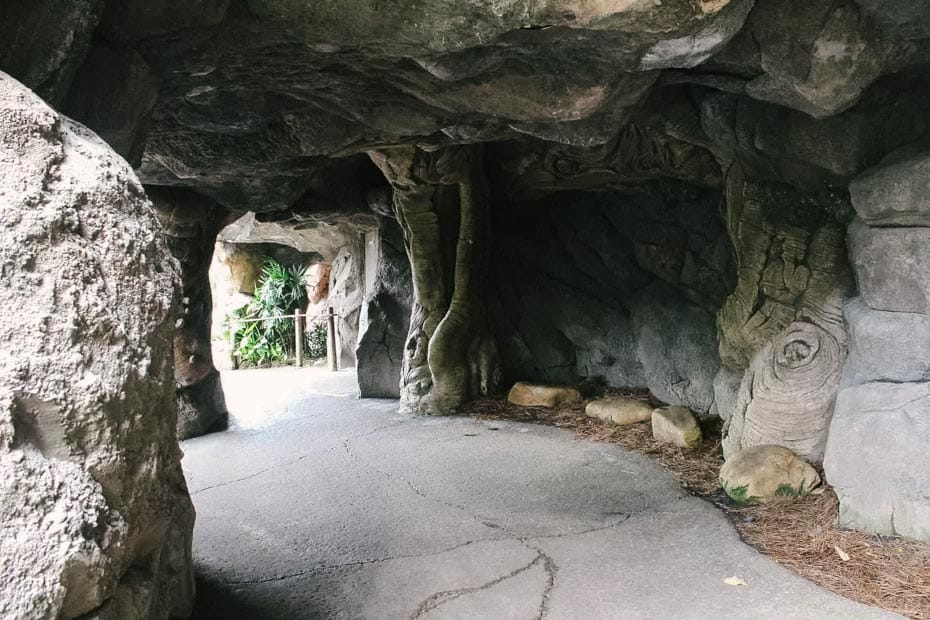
<point x="95" y="519"/>
<point x="876" y="458"/>
<point x="896" y="192"/>
<point x="891" y="266"/>
<point x="885" y="346"/>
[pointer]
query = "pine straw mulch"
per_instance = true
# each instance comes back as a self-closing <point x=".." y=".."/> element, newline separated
<point x="802" y="534"/>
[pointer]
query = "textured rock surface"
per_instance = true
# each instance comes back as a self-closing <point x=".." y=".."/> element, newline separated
<point x="45" y="42"/>
<point x="614" y="285"/>
<point x="346" y="295"/>
<point x="385" y="318"/>
<point x="619" y="410"/>
<point x="94" y="513"/>
<point x="897" y="192"/>
<point x="763" y="473"/>
<point x="782" y="328"/>
<point x="891" y="266"/>
<point x="877" y="458"/>
<point x="114" y="93"/>
<point x="538" y="395"/>
<point x="190" y="225"/>
<point x="819" y="59"/>
<point x="877" y="452"/>
<point x="676" y="425"/>
<point x="442" y="203"/>
<point x="884" y="346"/>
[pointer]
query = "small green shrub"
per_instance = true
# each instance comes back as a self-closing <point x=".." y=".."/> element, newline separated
<point x="316" y="342"/>
<point x="786" y="490"/>
<point x="740" y="494"/>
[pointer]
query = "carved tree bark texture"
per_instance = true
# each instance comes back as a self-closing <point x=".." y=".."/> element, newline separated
<point x="191" y="224"/>
<point x="449" y="356"/>
<point x="782" y="334"/>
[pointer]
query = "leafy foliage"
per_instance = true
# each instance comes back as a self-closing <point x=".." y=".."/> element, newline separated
<point x="739" y="494"/>
<point x="280" y="290"/>
<point x="316" y="341"/>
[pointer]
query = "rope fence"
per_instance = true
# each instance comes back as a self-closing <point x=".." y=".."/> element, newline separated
<point x="330" y="318"/>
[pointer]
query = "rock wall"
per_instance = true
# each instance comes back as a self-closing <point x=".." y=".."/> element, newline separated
<point x="190" y="223"/>
<point x="95" y="519"/>
<point x="385" y="317"/>
<point x="622" y="286"/>
<point x="880" y="436"/>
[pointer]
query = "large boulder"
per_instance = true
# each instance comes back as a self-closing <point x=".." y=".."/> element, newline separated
<point x="877" y="458"/>
<point x="763" y="473"/>
<point x="95" y="518"/>
<point x="819" y="58"/>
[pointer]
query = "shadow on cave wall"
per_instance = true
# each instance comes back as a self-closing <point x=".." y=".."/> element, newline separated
<point x="619" y="285"/>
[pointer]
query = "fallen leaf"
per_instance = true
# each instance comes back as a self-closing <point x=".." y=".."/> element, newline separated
<point x="734" y="581"/>
<point x="843" y="555"/>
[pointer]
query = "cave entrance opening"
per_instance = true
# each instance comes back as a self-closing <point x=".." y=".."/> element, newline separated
<point x="303" y="274"/>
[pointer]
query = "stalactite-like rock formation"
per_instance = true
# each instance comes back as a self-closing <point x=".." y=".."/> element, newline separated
<point x="782" y="335"/>
<point x="442" y="205"/>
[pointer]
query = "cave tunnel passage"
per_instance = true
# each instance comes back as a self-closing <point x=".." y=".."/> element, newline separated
<point x="338" y="506"/>
<point x="722" y="201"/>
<point x="329" y="506"/>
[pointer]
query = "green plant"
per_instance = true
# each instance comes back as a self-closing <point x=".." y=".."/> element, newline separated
<point x="316" y="341"/>
<point x="786" y="490"/>
<point x="279" y="291"/>
<point x="739" y="494"/>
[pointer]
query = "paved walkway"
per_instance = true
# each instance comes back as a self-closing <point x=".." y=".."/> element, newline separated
<point x="318" y="505"/>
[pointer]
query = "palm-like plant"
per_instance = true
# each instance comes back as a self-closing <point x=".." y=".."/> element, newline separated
<point x="279" y="291"/>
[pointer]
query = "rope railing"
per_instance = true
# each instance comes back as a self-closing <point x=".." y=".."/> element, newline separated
<point x="298" y="336"/>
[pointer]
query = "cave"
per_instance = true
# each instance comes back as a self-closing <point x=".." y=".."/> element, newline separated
<point x="724" y="202"/>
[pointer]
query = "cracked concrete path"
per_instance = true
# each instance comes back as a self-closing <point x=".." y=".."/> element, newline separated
<point x="318" y="505"/>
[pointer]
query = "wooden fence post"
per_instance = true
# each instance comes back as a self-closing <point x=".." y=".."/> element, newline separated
<point x="331" y="340"/>
<point x="232" y="345"/>
<point x="298" y="338"/>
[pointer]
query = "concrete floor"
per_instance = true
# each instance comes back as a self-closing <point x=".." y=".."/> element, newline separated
<point x="318" y="505"/>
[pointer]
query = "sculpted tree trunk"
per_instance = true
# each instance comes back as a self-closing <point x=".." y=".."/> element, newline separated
<point x="782" y="335"/>
<point x="191" y="223"/>
<point x="442" y="206"/>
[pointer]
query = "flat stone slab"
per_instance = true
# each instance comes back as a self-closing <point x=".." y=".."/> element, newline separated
<point x="619" y="410"/>
<point x="334" y="507"/>
<point x="539" y="395"/>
